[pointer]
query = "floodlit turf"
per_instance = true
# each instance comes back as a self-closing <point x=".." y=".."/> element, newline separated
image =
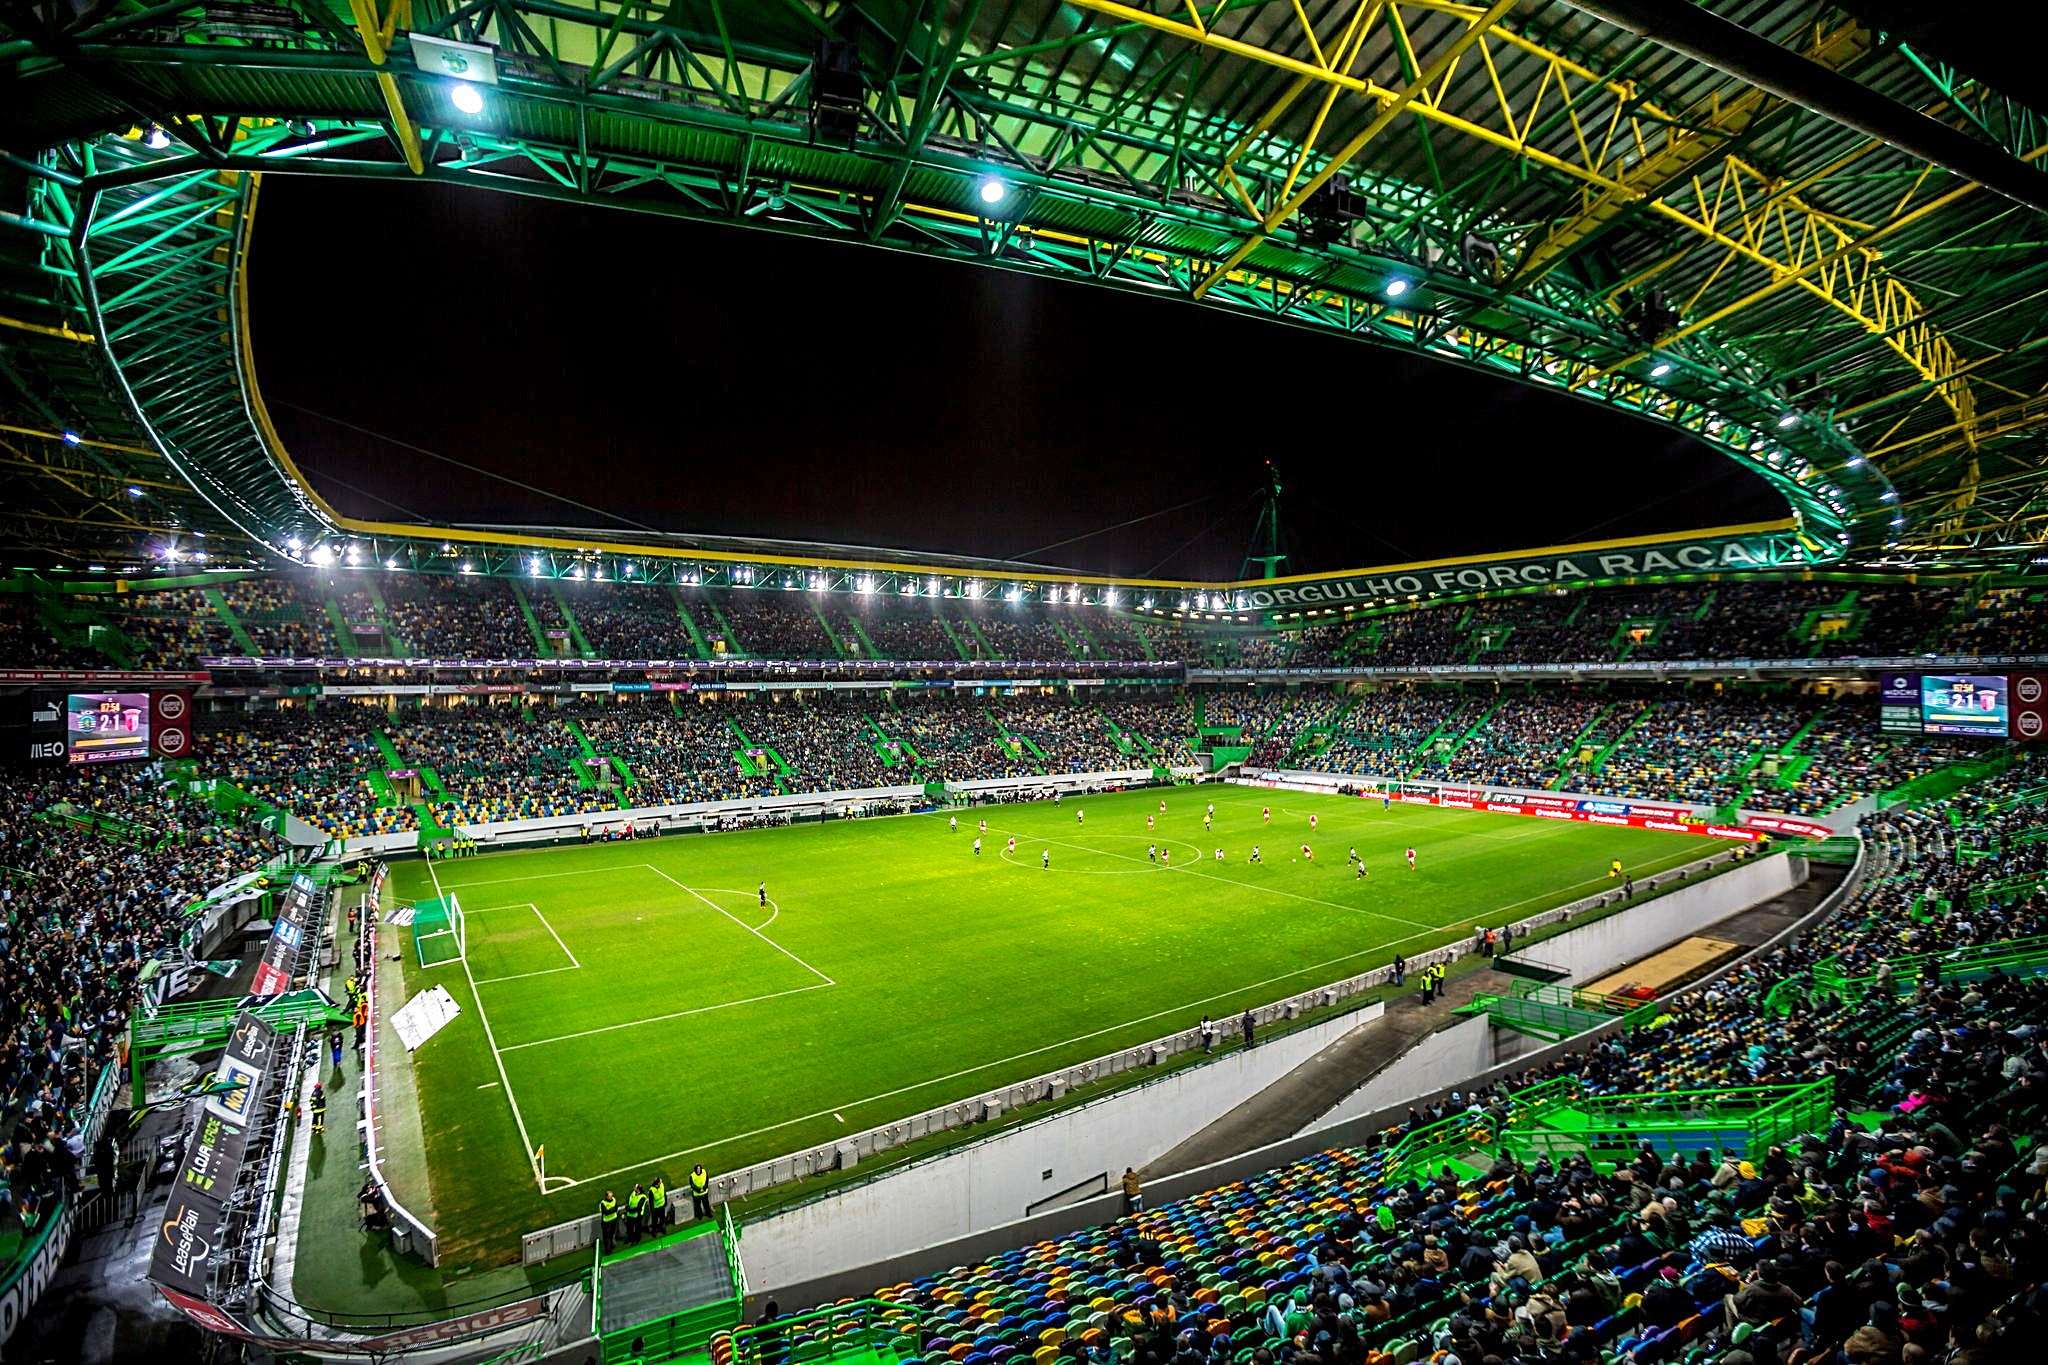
<point x="640" y="1008"/>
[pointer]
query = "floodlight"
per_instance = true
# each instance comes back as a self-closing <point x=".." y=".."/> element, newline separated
<point x="133" y="491"/>
<point x="1396" y="287"/>
<point x="1660" y="369"/>
<point x="466" y="97"/>
<point x="992" y="190"/>
<point x="1790" y="419"/>
<point x="72" y="438"/>
<point x="155" y="138"/>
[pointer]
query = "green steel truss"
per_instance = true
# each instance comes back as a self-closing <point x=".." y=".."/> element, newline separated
<point x="1862" y="329"/>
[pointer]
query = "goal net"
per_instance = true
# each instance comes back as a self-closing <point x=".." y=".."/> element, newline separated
<point x="438" y="933"/>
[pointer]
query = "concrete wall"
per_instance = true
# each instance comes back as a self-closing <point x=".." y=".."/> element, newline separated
<point x="1617" y="940"/>
<point x="996" y="1182"/>
<point x="1449" y="1057"/>
<point x="1445" y="1060"/>
<point x="894" y="1266"/>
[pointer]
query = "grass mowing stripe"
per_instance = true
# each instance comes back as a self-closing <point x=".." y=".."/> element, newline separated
<point x="953" y="974"/>
<point x="1228" y="881"/>
<point x="477" y="998"/>
<point x="743" y="924"/>
<point x="661" y="1018"/>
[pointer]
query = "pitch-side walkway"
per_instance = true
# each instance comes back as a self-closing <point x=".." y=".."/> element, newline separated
<point x="1283" y="1108"/>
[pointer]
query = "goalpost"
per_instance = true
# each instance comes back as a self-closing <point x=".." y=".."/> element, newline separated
<point x="439" y="934"/>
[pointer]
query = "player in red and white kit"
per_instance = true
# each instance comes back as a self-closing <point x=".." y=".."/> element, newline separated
<point x="1148" y="824"/>
<point x="1411" y="860"/>
<point x="1312" y="824"/>
<point x="1013" y="845"/>
<point x="1308" y="853"/>
<point x="1166" y="855"/>
<point x="1266" y="814"/>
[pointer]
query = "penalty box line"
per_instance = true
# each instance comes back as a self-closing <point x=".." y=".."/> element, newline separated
<point x="1376" y="950"/>
<point x="574" y="965"/>
<point x="483" y="1017"/>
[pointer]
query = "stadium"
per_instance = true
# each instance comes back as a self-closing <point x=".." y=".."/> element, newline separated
<point x="1500" y="819"/>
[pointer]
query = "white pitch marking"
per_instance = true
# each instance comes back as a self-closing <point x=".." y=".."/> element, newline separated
<point x="742" y="924"/>
<point x="484" y="1018"/>
<point x="1376" y="950"/>
<point x="679" y="1014"/>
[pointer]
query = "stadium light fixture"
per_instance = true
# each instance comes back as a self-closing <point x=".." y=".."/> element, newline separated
<point x="133" y="491"/>
<point x="390" y="563"/>
<point x="1660" y="369"/>
<point x="199" y="555"/>
<point x="292" y="545"/>
<point x="1016" y="594"/>
<point x="353" y="554"/>
<point x="992" y="190"/>
<point x="1890" y="495"/>
<point x="466" y="97"/>
<point x="1148" y="604"/>
<point x="1898" y="521"/>
<point x="468" y="567"/>
<point x="322" y="555"/>
<point x="1789" y="420"/>
<point x="72" y="438"/>
<point x="1857" y="462"/>
<point x="155" y="138"/>
<point x="867" y="584"/>
<point x="1396" y="287"/>
<point x="932" y="587"/>
<point x="1109" y="598"/>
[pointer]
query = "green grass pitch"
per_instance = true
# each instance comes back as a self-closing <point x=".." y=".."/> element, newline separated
<point x="632" y="1006"/>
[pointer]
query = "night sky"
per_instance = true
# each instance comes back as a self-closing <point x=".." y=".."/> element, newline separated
<point x="689" y="377"/>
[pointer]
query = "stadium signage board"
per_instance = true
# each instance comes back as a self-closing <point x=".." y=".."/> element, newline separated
<point x="288" y="936"/>
<point x="187" y="1236"/>
<point x="1718" y="554"/>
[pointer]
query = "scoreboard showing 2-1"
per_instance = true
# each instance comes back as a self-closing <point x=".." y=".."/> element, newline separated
<point x="1964" y="705"/>
<point x="1971" y="704"/>
<point x="57" y="725"/>
<point x="102" y="727"/>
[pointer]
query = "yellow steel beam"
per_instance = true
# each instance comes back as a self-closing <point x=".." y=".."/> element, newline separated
<point x="1439" y="71"/>
<point x="1622" y="144"/>
<point x="1705" y="129"/>
<point x="377" y="31"/>
<point x="61" y="332"/>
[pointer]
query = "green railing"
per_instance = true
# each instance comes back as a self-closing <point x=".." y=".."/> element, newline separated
<point x="1557" y="1011"/>
<point x="860" y="1327"/>
<point x="1612" y="1127"/>
<point x="2019" y="956"/>
<point x="675" y="1334"/>
<point x="197" y="1025"/>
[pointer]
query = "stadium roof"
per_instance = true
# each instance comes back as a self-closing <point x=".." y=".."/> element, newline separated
<point x="1792" y="236"/>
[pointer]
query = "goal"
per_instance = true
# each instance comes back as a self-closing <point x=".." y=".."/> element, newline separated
<point x="438" y="932"/>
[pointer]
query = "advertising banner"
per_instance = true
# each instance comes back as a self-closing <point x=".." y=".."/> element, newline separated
<point x="1707" y="553"/>
<point x="288" y="935"/>
<point x="170" y="730"/>
<point x="2029" y="703"/>
<point x="187" y="1240"/>
<point x="1791" y="824"/>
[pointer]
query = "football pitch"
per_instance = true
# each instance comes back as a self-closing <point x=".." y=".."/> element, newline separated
<point x="634" y="1006"/>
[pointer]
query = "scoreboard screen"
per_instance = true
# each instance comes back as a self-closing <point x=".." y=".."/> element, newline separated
<point x="100" y="727"/>
<point x="1972" y="704"/>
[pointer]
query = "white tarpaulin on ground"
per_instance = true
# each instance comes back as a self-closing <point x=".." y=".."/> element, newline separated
<point x="425" y="1015"/>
